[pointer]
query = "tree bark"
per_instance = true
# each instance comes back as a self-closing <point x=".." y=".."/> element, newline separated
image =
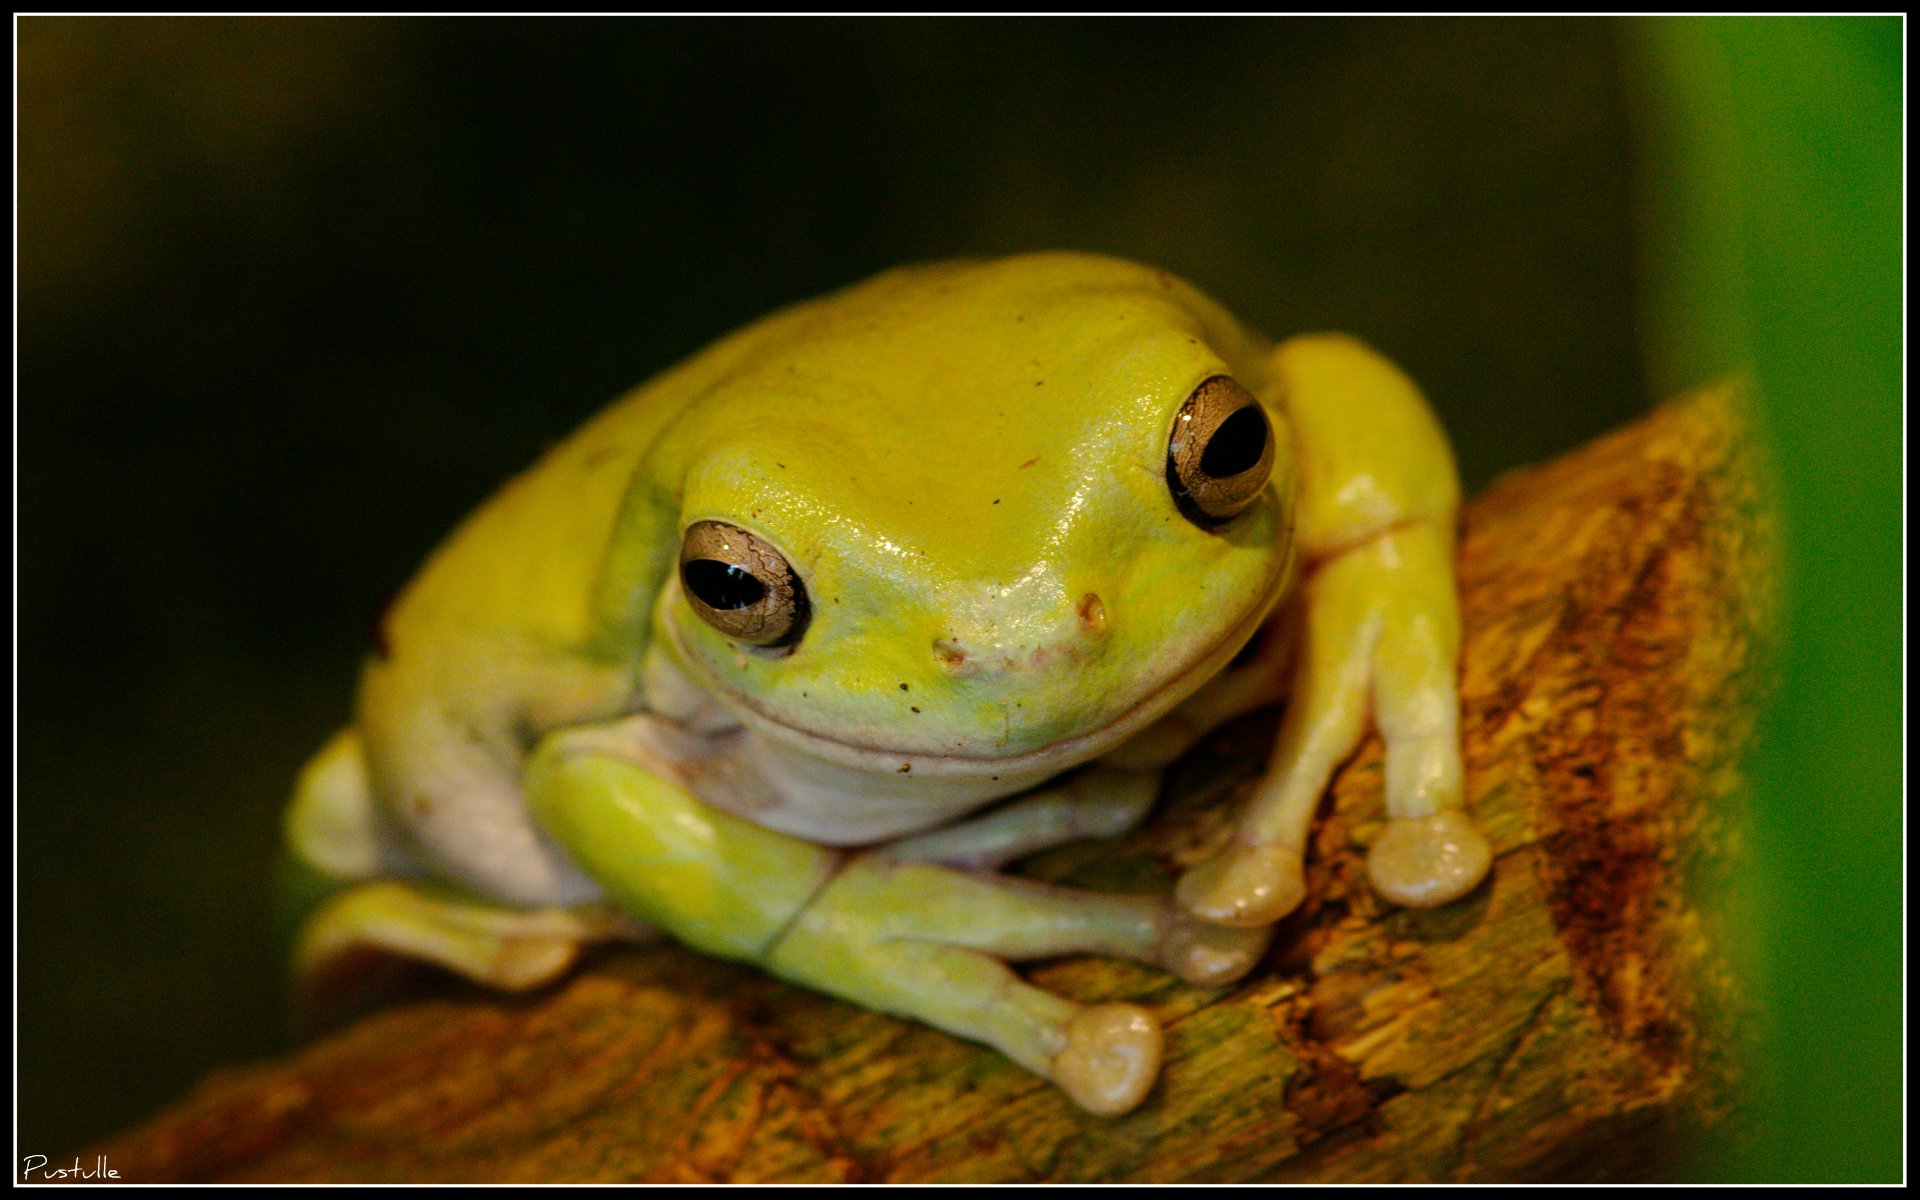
<point x="1576" y="1017"/>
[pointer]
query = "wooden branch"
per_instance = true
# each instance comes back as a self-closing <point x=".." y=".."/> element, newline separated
<point x="1574" y="1018"/>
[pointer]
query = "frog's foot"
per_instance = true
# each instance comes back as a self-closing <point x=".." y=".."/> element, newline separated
<point x="1097" y="803"/>
<point x="927" y="942"/>
<point x="342" y="943"/>
<point x="1111" y="1058"/>
<point x="1424" y="862"/>
<point x="1244" y="886"/>
<point x="1211" y="953"/>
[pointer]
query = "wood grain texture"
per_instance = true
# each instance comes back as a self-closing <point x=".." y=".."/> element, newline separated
<point x="1576" y="1017"/>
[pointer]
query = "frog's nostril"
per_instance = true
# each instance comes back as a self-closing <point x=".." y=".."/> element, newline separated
<point x="952" y="656"/>
<point x="1092" y="613"/>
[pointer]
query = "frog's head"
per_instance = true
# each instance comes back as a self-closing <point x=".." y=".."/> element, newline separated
<point x="977" y="519"/>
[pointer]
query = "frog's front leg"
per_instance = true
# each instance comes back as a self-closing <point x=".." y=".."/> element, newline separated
<point x="1380" y="630"/>
<point x="909" y="938"/>
<point x="927" y="942"/>
<point x="1099" y="802"/>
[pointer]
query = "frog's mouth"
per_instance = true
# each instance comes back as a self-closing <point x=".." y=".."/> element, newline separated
<point x="1036" y="763"/>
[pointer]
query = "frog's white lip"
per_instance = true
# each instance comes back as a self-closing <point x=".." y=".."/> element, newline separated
<point x="1038" y="763"/>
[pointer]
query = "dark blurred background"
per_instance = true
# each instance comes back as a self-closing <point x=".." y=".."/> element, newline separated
<point x="297" y="294"/>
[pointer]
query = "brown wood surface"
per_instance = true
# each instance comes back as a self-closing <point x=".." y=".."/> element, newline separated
<point x="1576" y="1017"/>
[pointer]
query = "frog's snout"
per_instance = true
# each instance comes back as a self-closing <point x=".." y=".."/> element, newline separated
<point x="1023" y="647"/>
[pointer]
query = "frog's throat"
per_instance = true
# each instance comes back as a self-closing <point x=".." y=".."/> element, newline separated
<point x="1038" y="763"/>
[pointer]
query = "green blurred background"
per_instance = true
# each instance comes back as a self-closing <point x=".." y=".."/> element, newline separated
<point x="297" y="294"/>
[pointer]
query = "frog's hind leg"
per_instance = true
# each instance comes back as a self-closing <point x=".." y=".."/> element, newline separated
<point x="344" y="942"/>
<point x="927" y="942"/>
<point x="353" y="892"/>
<point x="1101" y="802"/>
<point x="333" y="828"/>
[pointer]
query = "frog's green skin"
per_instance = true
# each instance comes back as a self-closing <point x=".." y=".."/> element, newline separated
<point x="966" y="466"/>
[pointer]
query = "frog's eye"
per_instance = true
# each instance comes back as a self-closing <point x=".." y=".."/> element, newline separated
<point x="1220" y="453"/>
<point x="741" y="585"/>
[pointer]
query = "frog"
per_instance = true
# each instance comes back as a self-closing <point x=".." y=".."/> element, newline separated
<point x="792" y="651"/>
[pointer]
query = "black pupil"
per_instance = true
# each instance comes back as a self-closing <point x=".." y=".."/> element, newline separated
<point x="722" y="585"/>
<point x="1236" y="445"/>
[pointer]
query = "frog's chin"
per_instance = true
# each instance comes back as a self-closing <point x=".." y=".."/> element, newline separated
<point x="1029" y="765"/>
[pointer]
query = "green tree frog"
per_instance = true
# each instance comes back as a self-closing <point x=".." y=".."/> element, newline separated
<point x="789" y="650"/>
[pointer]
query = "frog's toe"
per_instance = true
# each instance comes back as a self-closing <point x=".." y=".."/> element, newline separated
<point x="1424" y="862"/>
<point x="1111" y="1058"/>
<point x="1244" y="885"/>
<point x="1210" y="954"/>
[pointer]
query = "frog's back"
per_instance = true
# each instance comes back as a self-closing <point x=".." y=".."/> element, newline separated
<point x="531" y="560"/>
<point x="527" y="559"/>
